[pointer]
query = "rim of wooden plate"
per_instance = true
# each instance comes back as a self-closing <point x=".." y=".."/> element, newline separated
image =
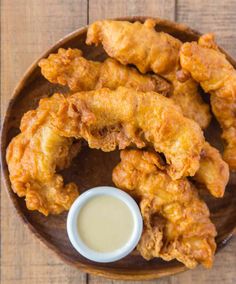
<point x="116" y="274"/>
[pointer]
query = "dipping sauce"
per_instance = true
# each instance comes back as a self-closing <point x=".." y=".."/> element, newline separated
<point x="105" y="223"/>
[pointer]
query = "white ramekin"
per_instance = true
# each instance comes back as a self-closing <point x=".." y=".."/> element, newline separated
<point x="79" y="245"/>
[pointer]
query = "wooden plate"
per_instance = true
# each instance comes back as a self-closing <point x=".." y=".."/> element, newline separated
<point x="93" y="168"/>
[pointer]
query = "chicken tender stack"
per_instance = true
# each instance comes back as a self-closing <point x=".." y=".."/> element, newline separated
<point x="140" y="44"/>
<point x="68" y="67"/>
<point x="155" y="108"/>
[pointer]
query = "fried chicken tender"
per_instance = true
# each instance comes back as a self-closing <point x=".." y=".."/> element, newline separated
<point x="209" y="66"/>
<point x="141" y="45"/>
<point x="176" y="220"/>
<point x="124" y="117"/>
<point x="213" y="172"/>
<point x="33" y="157"/>
<point x="68" y="67"/>
<point x="136" y="43"/>
<point x="187" y="96"/>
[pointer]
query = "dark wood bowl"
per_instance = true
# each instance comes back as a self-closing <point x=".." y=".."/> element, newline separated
<point x="93" y="168"/>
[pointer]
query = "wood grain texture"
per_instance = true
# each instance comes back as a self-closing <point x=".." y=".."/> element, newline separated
<point x="113" y="9"/>
<point x="214" y="16"/>
<point x="28" y="28"/>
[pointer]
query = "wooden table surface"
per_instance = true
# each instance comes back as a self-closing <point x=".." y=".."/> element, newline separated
<point x="28" y="28"/>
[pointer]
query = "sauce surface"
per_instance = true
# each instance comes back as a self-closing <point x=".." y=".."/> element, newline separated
<point x="105" y="223"/>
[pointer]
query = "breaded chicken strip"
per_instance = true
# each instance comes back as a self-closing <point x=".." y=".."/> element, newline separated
<point x="68" y="67"/>
<point x="187" y="96"/>
<point x="33" y="157"/>
<point x="209" y="66"/>
<point x="124" y="117"/>
<point x="213" y="172"/>
<point x="141" y="45"/>
<point x="176" y="220"/>
<point x="136" y="43"/>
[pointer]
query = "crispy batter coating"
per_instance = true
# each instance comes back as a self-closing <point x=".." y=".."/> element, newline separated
<point x="124" y="117"/>
<point x="209" y="66"/>
<point x="229" y="154"/>
<point x="141" y="45"/>
<point x="176" y="220"/>
<point x="187" y="96"/>
<point x="136" y="43"/>
<point x="213" y="172"/>
<point x="68" y="67"/>
<point x="33" y="157"/>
